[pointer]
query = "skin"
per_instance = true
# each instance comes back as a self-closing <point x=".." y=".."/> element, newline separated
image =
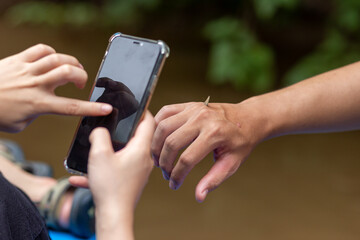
<point x="27" y="84"/>
<point x="325" y="103"/>
<point x="127" y="170"/>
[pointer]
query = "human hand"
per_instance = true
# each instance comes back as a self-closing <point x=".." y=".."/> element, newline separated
<point x="216" y="128"/>
<point x="118" y="178"/>
<point x="27" y="83"/>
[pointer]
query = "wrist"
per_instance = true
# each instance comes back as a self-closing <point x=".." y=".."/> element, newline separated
<point x="114" y="221"/>
<point x="254" y="114"/>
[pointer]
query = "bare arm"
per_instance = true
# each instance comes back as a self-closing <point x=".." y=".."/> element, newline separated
<point x="327" y="102"/>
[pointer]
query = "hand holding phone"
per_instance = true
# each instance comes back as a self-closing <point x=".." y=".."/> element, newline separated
<point x="126" y="80"/>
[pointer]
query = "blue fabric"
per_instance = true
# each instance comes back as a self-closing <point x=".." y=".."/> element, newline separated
<point x="65" y="236"/>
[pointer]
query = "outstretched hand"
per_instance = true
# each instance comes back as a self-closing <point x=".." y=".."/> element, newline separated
<point x="200" y="129"/>
<point x="27" y="83"/>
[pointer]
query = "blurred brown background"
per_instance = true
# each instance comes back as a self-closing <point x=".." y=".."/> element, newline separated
<point x="293" y="187"/>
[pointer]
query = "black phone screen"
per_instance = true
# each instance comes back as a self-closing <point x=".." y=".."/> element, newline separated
<point x="123" y="81"/>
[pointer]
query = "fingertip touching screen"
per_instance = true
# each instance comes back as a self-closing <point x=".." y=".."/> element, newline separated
<point x="124" y="80"/>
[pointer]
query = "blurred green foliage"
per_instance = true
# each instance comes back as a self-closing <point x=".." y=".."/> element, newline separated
<point x="239" y="53"/>
<point x="266" y="9"/>
<point x="53" y="14"/>
<point x="79" y="13"/>
<point x="340" y="45"/>
<point x="333" y="52"/>
<point x="237" y="56"/>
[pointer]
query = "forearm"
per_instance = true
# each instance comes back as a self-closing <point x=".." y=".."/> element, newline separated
<point x="325" y="103"/>
<point x="113" y="222"/>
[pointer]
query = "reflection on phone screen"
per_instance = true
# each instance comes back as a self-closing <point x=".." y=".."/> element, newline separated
<point x="124" y="104"/>
<point x="122" y="82"/>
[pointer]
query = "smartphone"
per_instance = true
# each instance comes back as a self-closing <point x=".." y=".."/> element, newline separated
<point x="126" y="79"/>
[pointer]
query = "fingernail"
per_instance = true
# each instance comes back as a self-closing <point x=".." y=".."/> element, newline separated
<point x="156" y="160"/>
<point x="81" y="66"/>
<point x="165" y="175"/>
<point x="173" y="185"/>
<point x="156" y="163"/>
<point x="204" y="193"/>
<point x="106" y="108"/>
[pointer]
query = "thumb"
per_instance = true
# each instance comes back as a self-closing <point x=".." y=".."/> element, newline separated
<point x="144" y="132"/>
<point x="101" y="145"/>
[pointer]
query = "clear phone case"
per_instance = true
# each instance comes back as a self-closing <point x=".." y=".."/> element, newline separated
<point x="164" y="53"/>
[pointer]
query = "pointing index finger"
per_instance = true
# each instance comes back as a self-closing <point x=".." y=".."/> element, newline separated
<point x="68" y="106"/>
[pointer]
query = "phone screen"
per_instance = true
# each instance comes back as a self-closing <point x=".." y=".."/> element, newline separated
<point x="124" y="80"/>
